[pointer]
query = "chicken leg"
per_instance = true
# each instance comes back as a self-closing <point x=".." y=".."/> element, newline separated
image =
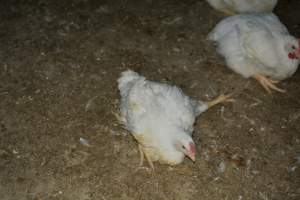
<point x="267" y="83"/>
<point x="220" y="99"/>
<point x="119" y="117"/>
<point x="142" y="155"/>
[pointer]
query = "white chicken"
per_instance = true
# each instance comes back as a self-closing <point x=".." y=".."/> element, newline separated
<point x="258" y="45"/>
<point x="242" y="6"/>
<point x="160" y="117"/>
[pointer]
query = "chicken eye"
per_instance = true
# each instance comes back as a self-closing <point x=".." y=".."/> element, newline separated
<point x="183" y="147"/>
<point x="293" y="47"/>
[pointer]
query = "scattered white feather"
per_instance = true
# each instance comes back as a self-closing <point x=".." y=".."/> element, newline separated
<point x="84" y="142"/>
<point x="221" y="167"/>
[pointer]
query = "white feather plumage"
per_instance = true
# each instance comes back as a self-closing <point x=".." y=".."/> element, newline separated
<point x="256" y="43"/>
<point x="243" y="6"/>
<point x="158" y="115"/>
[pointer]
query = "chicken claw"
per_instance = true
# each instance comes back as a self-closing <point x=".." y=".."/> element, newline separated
<point x="142" y="155"/>
<point x="220" y="99"/>
<point x="268" y="83"/>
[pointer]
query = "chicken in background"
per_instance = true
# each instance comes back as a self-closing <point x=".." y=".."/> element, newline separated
<point x="231" y="7"/>
<point x="160" y="117"/>
<point x="258" y="45"/>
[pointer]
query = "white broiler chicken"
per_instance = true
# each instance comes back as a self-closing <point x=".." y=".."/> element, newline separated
<point x="242" y="6"/>
<point x="160" y="117"/>
<point x="258" y="45"/>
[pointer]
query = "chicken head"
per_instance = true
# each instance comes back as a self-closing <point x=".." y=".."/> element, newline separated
<point x="187" y="146"/>
<point x="293" y="50"/>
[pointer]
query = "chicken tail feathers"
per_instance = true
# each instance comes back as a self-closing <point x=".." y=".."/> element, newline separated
<point x="127" y="78"/>
<point x="199" y="107"/>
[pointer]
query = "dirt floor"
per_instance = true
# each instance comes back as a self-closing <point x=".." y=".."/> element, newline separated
<point x="59" y="62"/>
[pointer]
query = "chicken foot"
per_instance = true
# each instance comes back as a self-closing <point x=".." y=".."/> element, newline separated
<point x="220" y="99"/>
<point x="268" y="83"/>
<point x="142" y="155"/>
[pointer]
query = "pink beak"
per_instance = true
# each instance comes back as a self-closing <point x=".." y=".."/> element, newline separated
<point x="295" y="54"/>
<point x="192" y="152"/>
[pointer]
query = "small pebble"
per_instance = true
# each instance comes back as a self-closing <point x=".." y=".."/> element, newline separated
<point x="15" y="151"/>
<point x="292" y="169"/>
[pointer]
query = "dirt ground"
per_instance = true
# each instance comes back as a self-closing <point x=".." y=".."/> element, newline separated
<point x="59" y="62"/>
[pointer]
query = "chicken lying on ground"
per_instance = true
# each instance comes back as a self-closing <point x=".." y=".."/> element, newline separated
<point x="231" y="7"/>
<point x="160" y="117"/>
<point x="258" y="45"/>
